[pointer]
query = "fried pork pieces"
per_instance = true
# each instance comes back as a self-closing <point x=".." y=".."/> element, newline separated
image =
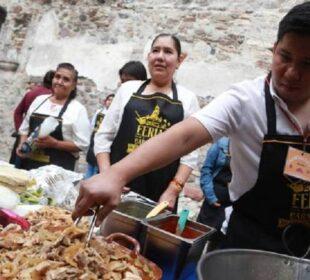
<point x="53" y="248"/>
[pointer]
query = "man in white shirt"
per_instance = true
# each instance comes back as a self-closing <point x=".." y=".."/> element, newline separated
<point x="265" y="119"/>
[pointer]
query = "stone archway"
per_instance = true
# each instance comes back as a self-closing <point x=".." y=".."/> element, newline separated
<point x="3" y="14"/>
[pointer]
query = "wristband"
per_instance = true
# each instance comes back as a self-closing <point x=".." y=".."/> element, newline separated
<point x="177" y="183"/>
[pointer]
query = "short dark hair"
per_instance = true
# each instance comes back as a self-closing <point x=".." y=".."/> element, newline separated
<point x="48" y="78"/>
<point x="109" y="95"/>
<point x="3" y="14"/>
<point x="175" y="39"/>
<point x="71" y="68"/>
<point x="135" y="69"/>
<point x="297" y="20"/>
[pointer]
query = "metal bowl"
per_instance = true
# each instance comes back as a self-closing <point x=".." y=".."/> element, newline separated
<point x="239" y="264"/>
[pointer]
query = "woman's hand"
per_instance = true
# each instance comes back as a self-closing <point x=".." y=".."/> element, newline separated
<point x="46" y="142"/>
<point x="103" y="189"/>
<point x="18" y="151"/>
<point x="171" y="194"/>
<point x="216" y="204"/>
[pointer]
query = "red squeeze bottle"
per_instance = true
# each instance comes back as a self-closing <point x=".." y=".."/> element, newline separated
<point x="9" y="217"/>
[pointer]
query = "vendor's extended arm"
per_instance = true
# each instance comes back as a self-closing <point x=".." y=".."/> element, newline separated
<point x="105" y="189"/>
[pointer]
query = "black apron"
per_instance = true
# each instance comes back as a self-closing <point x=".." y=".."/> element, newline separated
<point x="144" y="117"/>
<point x="275" y="202"/>
<point x="90" y="156"/>
<point x="41" y="157"/>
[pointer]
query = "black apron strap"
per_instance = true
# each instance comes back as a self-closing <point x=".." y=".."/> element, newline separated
<point x="64" y="107"/>
<point x="270" y="108"/>
<point x="174" y="91"/>
<point x="173" y="87"/>
<point x="142" y="87"/>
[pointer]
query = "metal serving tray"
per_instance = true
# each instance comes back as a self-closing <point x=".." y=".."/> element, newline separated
<point x="176" y="255"/>
<point x="126" y="218"/>
<point x="239" y="264"/>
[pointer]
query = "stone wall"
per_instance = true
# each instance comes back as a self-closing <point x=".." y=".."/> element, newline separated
<point x="226" y="41"/>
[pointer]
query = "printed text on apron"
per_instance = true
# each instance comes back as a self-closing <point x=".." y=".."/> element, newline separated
<point x="144" y="117"/>
<point x="276" y="201"/>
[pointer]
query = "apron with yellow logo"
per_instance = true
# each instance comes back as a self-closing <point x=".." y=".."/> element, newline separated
<point x="275" y="214"/>
<point x="144" y="117"/>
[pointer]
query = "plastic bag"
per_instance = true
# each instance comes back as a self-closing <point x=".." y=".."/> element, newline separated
<point x="58" y="184"/>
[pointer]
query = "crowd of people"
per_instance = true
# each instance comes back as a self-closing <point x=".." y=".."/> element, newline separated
<point x="146" y="140"/>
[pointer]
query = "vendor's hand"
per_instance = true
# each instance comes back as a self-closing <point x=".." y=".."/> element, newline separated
<point x="103" y="189"/>
<point x="46" y="142"/>
<point x="171" y="194"/>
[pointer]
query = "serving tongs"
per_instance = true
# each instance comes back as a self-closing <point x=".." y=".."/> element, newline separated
<point x="92" y="224"/>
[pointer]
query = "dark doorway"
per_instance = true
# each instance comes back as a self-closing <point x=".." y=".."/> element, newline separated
<point x="3" y="14"/>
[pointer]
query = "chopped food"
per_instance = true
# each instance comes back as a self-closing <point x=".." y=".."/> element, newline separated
<point x="54" y="248"/>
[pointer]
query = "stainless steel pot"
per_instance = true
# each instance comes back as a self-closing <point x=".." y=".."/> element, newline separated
<point x="240" y="264"/>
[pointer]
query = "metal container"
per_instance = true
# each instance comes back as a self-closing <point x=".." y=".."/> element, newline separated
<point x="176" y="255"/>
<point x="126" y="218"/>
<point x="115" y="240"/>
<point x="239" y="264"/>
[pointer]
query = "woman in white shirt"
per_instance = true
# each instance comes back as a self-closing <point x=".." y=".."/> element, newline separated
<point x="72" y="134"/>
<point x="141" y="110"/>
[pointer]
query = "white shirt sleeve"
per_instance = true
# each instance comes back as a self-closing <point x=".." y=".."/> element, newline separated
<point x="108" y="129"/>
<point x="224" y="115"/>
<point x="81" y="129"/>
<point x="24" y="128"/>
<point x="190" y="106"/>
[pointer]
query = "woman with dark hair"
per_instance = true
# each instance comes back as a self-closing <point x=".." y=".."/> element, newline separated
<point x="72" y="134"/>
<point x="132" y="70"/>
<point x="143" y="109"/>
